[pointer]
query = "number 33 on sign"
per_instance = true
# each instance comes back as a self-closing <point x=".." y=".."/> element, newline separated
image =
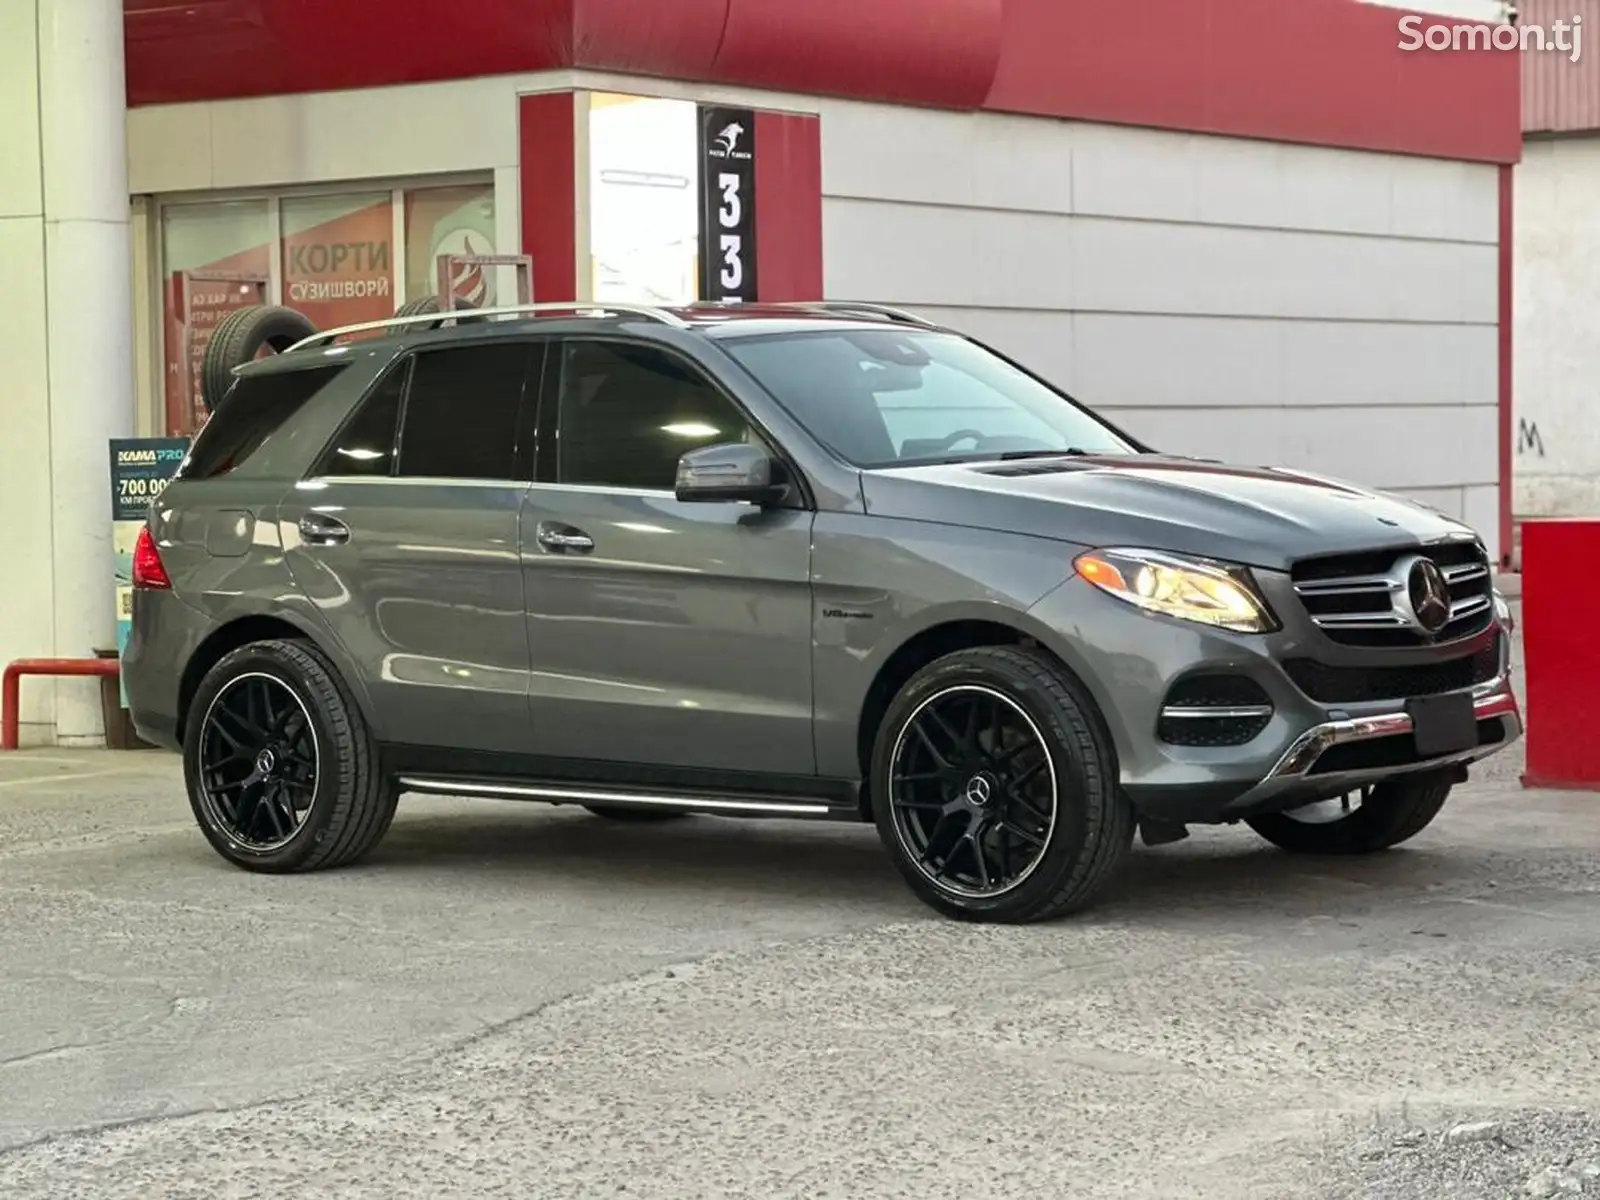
<point x="730" y="214"/>
<point x="727" y="204"/>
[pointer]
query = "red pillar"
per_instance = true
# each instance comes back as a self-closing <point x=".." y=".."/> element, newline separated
<point x="789" y="206"/>
<point x="548" y="166"/>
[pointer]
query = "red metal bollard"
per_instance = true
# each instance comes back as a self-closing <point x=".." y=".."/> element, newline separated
<point x="1561" y="700"/>
<point x="11" y="686"/>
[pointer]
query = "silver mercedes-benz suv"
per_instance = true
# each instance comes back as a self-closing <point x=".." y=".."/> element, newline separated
<point x="798" y="561"/>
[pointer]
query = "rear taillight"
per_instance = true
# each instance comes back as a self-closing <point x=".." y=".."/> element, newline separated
<point x="147" y="569"/>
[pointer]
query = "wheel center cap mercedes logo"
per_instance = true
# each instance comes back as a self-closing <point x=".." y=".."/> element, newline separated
<point x="265" y="761"/>
<point x="1429" y="594"/>
<point x="979" y="791"/>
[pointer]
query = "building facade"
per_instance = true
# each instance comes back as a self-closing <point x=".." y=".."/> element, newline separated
<point x="1556" y="448"/>
<point x="1276" y="240"/>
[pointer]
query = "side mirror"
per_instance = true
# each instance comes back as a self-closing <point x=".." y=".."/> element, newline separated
<point x="730" y="471"/>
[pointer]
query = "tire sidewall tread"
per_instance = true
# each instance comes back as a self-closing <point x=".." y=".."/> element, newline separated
<point x="1399" y="808"/>
<point x="1094" y="822"/>
<point x="239" y="337"/>
<point x="353" y="804"/>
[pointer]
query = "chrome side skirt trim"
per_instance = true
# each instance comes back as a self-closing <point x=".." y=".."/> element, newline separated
<point x="1493" y="699"/>
<point x="572" y="795"/>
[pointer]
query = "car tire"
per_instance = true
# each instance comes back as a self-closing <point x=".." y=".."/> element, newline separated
<point x="276" y="712"/>
<point x="1050" y="825"/>
<point x="638" y="816"/>
<point x="423" y="305"/>
<point x="242" y="335"/>
<point x="1391" y="811"/>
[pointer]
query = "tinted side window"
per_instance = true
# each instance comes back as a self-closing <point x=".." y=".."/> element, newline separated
<point x="627" y="413"/>
<point x="365" y="446"/>
<point x="255" y="408"/>
<point x="461" y="411"/>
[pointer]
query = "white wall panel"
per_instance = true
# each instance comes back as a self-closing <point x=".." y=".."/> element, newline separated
<point x="982" y="160"/>
<point x="1480" y="508"/>
<point x="1327" y="309"/>
<point x="1001" y="258"/>
<point x="21" y="182"/>
<point x="1430" y="447"/>
<point x="1144" y="266"/>
<point x="937" y="255"/>
<point x="1279" y="186"/>
<point x="1211" y="361"/>
<point x="1556" y="354"/>
<point x="1437" y="199"/>
<point x="369" y="133"/>
<point x="1156" y="361"/>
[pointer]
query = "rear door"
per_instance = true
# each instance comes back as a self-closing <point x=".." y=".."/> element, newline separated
<point x="207" y="520"/>
<point x="660" y="633"/>
<point x="405" y="541"/>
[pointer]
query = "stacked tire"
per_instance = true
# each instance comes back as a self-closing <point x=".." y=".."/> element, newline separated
<point x="240" y="338"/>
<point x="246" y="332"/>
<point x="424" y="305"/>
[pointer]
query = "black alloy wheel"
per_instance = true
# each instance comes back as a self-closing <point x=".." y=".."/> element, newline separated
<point x="282" y="770"/>
<point x="994" y="786"/>
<point x="973" y="791"/>
<point x="258" y="761"/>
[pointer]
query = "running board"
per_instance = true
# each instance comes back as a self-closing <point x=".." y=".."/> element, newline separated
<point x="777" y="806"/>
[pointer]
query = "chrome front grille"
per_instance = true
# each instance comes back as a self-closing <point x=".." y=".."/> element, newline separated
<point x="1361" y="599"/>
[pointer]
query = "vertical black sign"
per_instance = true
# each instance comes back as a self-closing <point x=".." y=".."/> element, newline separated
<point x="727" y="204"/>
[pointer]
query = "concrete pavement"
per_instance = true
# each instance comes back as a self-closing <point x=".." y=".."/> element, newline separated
<point x="517" y="1001"/>
<point x="511" y="1000"/>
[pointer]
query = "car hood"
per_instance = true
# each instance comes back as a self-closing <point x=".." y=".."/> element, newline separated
<point x="1258" y="516"/>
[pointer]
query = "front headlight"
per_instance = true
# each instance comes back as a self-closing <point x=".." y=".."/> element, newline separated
<point x="1189" y="588"/>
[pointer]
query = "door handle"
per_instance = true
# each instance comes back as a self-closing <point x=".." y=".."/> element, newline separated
<point x="564" y="537"/>
<point x="319" y="529"/>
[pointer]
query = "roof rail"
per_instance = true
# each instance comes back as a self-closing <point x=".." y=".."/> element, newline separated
<point x="586" y="307"/>
<point x="865" y="307"/>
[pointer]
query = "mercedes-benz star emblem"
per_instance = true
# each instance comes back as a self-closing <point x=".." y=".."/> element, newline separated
<point x="1429" y="594"/>
<point x="978" y="791"/>
<point x="265" y="761"/>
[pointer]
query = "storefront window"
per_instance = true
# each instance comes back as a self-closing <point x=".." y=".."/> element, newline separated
<point x="455" y="221"/>
<point x="217" y="258"/>
<point x="338" y="257"/>
<point x="335" y="260"/>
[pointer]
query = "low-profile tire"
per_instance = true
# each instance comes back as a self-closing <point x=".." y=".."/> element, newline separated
<point x="994" y="764"/>
<point x="281" y="768"/>
<point x="638" y="816"/>
<point x="241" y="336"/>
<point x="423" y="305"/>
<point x="1389" y="812"/>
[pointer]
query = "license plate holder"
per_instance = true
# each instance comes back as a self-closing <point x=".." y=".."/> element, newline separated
<point x="1445" y="724"/>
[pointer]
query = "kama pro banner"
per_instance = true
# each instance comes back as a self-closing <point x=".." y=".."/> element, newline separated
<point x="727" y="204"/>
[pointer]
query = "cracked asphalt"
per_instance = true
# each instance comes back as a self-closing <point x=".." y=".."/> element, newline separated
<point x="511" y="1000"/>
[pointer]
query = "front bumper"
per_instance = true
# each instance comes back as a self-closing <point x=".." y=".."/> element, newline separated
<point x="1307" y="751"/>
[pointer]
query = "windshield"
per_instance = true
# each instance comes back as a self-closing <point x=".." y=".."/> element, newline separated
<point x="895" y="397"/>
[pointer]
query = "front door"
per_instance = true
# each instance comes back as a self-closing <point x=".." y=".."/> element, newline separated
<point x="660" y="633"/>
<point x="405" y="542"/>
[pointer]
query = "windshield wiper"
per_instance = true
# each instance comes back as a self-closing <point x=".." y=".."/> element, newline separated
<point x="1070" y="452"/>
